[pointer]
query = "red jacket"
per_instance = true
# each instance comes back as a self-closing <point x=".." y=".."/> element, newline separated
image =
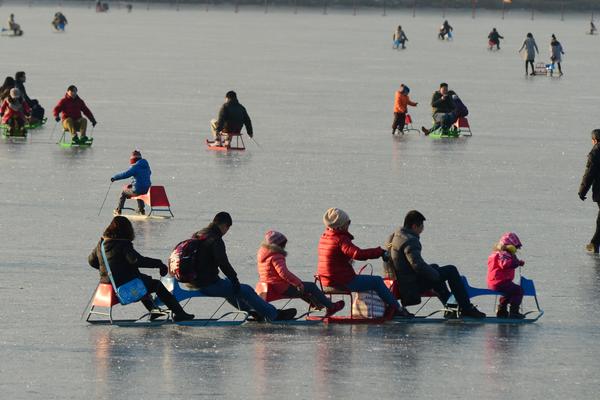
<point x="336" y="251"/>
<point x="72" y="108"/>
<point x="501" y="268"/>
<point x="8" y="113"/>
<point x="272" y="269"/>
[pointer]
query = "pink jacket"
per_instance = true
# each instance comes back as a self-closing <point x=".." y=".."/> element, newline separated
<point x="272" y="269"/>
<point x="9" y="112"/>
<point x="501" y="267"/>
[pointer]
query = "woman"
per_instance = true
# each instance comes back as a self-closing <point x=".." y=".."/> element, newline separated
<point x="529" y="55"/>
<point x="272" y="269"/>
<point x="124" y="262"/>
<point x="336" y="252"/>
<point x="15" y="111"/>
<point x="8" y="84"/>
<point x="556" y="53"/>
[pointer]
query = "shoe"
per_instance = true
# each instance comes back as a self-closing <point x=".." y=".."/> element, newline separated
<point x="514" y="313"/>
<point x="75" y="140"/>
<point x="157" y="313"/>
<point x="117" y="211"/>
<point x="532" y="74"/>
<point x="256" y="316"/>
<point x="285" y="315"/>
<point x="425" y="131"/>
<point x="403" y="313"/>
<point x="183" y="317"/>
<point x="451" y="314"/>
<point x="337" y="306"/>
<point x="83" y="139"/>
<point x="472" y="312"/>
<point x="502" y="311"/>
<point x="140" y="212"/>
<point x="592" y="248"/>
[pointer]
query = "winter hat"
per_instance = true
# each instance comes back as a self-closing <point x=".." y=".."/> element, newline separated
<point x="335" y="218"/>
<point x="135" y="156"/>
<point x="276" y="238"/>
<point x="406" y="90"/>
<point x="15" y="93"/>
<point x="510" y="239"/>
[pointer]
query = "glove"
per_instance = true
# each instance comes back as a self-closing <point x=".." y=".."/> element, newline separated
<point x="112" y="179"/>
<point x="164" y="270"/>
<point x="521" y="263"/>
<point x="300" y="288"/>
<point x="236" y="286"/>
<point x="385" y="256"/>
<point x="582" y="196"/>
<point x="57" y="119"/>
<point x="94" y="123"/>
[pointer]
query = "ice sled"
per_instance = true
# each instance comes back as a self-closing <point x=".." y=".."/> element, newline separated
<point x="236" y="142"/>
<point x="158" y="202"/>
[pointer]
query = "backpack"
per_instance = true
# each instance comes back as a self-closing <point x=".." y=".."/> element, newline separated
<point x="461" y="110"/>
<point x="183" y="259"/>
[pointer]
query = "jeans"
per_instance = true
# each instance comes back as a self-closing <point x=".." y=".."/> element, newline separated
<point x="513" y="293"/>
<point x="311" y="295"/>
<point x="364" y="283"/>
<point x="445" y="120"/>
<point x="450" y="274"/>
<point x="127" y="194"/>
<point x="246" y="299"/>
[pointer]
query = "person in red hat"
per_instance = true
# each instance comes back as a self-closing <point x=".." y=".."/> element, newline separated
<point x="140" y="173"/>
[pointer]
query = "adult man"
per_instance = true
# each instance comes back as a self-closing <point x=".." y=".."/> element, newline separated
<point x="415" y="276"/>
<point x="591" y="178"/>
<point x="37" y="111"/>
<point x="232" y="117"/>
<point x="71" y="107"/>
<point x="212" y="257"/>
<point x="442" y="108"/>
<point x="140" y="183"/>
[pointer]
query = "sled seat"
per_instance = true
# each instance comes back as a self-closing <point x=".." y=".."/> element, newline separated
<point x="104" y="297"/>
<point x="156" y="198"/>
<point x="462" y="123"/>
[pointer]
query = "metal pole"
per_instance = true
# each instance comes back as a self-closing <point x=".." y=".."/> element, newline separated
<point x="384" y="8"/>
<point x="532" y="10"/>
<point x="414" y="8"/>
<point x="177" y="5"/>
<point x="148" y="5"/>
<point x="237" y="6"/>
<point x="474" y="6"/>
<point x="354" y="7"/>
<point x="503" y="8"/>
<point x="295" y="6"/>
<point x="266" y="6"/>
<point x="325" y="7"/>
<point x="444" y="10"/>
<point x="562" y="11"/>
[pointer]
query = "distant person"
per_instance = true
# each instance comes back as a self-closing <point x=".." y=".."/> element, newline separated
<point x="129" y="7"/>
<point x="9" y="83"/>
<point x="273" y="270"/>
<point x="401" y="103"/>
<point x="529" y="54"/>
<point x="443" y="109"/>
<point x="591" y="179"/>
<point x="13" y="26"/>
<point x="232" y="117"/>
<point x="556" y="53"/>
<point x="15" y="112"/>
<point x="445" y="31"/>
<point x="415" y="276"/>
<point x="72" y="106"/>
<point x="140" y="172"/>
<point x="501" y="272"/>
<point x="399" y="38"/>
<point x="59" y="22"/>
<point x="37" y="111"/>
<point x="593" y="28"/>
<point x="494" y="39"/>
<point x="124" y="263"/>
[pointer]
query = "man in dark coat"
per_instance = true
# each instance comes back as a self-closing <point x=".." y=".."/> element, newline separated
<point x="232" y="117"/>
<point x="37" y="111"/>
<point x="442" y="108"/>
<point x="415" y="276"/>
<point x="591" y="178"/>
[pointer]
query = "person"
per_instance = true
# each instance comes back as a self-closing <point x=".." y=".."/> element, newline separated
<point x="445" y="31"/>
<point x="591" y="179"/>
<point x="529" y="54"/>
<point x="13" y="26"/>
<point x="494" y="39"/>
<point x="232" y="117"/>
<point x="501" y="272"/>
<point x="272" y="269"/>
<point x="124" y="263"/>
<point x="71" y="106"/>
<point x="415" y="276"/>
<point x="140" y="173"/>
<point x="60" y="21"/>
<point x="401" y="103"/>
<point x="212" y="257"/>
<point x="15" y="112"/>
<point x="593" y="28"/>
<point x="400" y="38"/>
<point x="443" y="109"/>
<point x="556" y="53"/>
<point x="8" y="84"/>
<point x="37" y="111"/>
<point x="460" y="109"/>
<point x="336" y="252"/>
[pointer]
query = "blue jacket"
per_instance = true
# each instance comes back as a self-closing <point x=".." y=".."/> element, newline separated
<point x="140" y="171"/>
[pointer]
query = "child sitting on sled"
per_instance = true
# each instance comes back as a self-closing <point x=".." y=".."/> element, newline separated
<point x="501" y="271"/>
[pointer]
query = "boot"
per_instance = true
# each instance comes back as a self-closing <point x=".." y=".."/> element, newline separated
<point x="502" y="311"/>
<point x="472" y="312"/>
<point x="514" y="312"/>
<point x="182" y="316"/>
<point x="337" y="306"/>
<point x="403" y="313"/>
<point x="425" y="131"/>
<point x="285" y="315"/>
<point x="74" y="140"/>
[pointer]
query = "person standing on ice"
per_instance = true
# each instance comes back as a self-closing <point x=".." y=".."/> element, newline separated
<point x="530" y="48"/>
<point x="140" y="182"/>
<point x="71" y="106"/>
<point x="591" y="179"/>
<point x="399" y="38"/>
<point x="556" y="53"/>
<point x="232" y="117"/>
<point x="401" y="103"/>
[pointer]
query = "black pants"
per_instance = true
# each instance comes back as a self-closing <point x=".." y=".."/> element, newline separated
<point x="448" y="273"/>
<point x="312" y="295"/>
<point x="596" y="238"/>
<point x="398" y="123"/>
<point x="156" y="286"/>
<point x="529" y="62"/>
<point x="127" y="194"/>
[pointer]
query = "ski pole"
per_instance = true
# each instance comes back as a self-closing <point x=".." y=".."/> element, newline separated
<point x="254" y="140"/>
<point x="53" y="129"/>
<point x="104" y="201"/>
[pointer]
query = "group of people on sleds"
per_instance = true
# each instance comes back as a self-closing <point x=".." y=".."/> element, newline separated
<point x="16" y="107"/>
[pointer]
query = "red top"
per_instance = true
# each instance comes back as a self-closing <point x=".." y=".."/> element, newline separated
<point x="501" y="268"/>
<point x="336" y="251"/>
<point x="8" y="113"/>
<point x="72" y="108"/>
<point x="272" y="269"/>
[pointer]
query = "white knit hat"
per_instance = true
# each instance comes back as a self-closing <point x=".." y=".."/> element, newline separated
<point x="335" y="218"/>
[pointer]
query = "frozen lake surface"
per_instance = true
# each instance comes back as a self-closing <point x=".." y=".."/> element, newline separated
<point x="320" y="92"/>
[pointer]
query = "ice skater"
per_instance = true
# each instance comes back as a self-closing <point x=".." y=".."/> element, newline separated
<point x="529" y="54"/>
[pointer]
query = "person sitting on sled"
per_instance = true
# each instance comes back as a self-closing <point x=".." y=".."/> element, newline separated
<point x="272" y="269"/>
<point x="232" y="117"/>
<point x="140" y="173"/>
<point x="401" y="103"/>
<point x="399" y="38"/>
<point x="445" y="31"/>
<point x="501" y="272"/>
<point x="59" y="22"/>
<point x="443" y="109"/>
<point x="414" y="275"/>
<point x="124" y="263"/>
<point x="494" y="39"/>
<point x="15" y="112"/>
<point x="72" y="106"/>
<point x="13" y="26"/>
<point x="37" y="111"/>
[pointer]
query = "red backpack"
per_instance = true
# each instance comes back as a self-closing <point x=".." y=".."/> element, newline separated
<point x="183" y="259"/>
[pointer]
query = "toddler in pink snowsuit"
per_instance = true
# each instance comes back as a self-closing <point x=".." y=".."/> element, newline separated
<point x="501" y="272"/>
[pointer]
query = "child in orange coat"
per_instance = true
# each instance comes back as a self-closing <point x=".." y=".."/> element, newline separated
<point x="401" y="103"/>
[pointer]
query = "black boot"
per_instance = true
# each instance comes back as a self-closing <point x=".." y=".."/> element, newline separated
<point x="514" y="312"/>
<point x="166" y="297"/>
<point x="285" y="315"/>
<point x="502" y="311"/>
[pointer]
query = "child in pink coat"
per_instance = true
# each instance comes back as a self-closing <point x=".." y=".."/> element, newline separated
<point x="501" y="271"/>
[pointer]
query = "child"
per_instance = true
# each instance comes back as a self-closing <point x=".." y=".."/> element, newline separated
<point x="272" y="269"/>
<point x="401" y="103"/>
<point x="14" y="112"/>
<point x="501" y="272"/>
<point x="140" y="182"/>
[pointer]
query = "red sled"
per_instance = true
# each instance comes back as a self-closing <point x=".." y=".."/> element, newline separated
<point x="236" y="142"/>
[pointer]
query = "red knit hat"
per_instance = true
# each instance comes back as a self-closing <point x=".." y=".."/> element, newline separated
<point x="135" y="156"/>
<point x="276" y="238"/>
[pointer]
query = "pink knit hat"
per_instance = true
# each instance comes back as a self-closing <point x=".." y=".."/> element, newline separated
<point x="510" y="238"/>
<point x="276" y="238"/>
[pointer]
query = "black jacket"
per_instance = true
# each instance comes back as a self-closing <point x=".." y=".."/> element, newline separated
<point x="591" y="177"/>
<point x="211" y="257"/>
<point x="30" y="102"/>
<point x="232" y="117"/>
<point x="494" y="37"/>
<point x="441" y="105"/>
<point x="124" y="261"/>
